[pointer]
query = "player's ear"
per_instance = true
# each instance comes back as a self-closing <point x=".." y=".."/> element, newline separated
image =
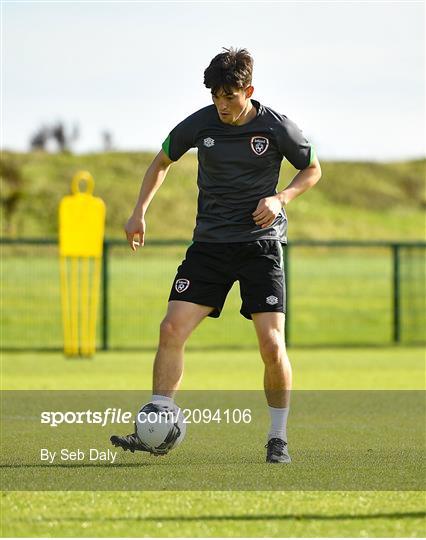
<point x="249" y="91"/>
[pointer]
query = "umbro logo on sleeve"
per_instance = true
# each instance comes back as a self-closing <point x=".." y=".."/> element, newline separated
<point x="208" y="142"/>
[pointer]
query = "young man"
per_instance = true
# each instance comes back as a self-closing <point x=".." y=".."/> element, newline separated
<point x="240" y="228"/>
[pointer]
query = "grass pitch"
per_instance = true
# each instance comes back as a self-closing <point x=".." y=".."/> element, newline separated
<point x="223" y="513"/>
<point x="214" y="514"/>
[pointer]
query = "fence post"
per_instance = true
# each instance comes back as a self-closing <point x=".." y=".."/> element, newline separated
<point x="286" y="259"/>
<point x="105" y="280"/>
<point x="396" y="293"/>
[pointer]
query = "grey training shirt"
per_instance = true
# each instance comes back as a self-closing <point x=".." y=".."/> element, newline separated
<point x="238" y="166"/>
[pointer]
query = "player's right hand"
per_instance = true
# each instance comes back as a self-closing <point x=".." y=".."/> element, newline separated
<point x="135" y="231"/>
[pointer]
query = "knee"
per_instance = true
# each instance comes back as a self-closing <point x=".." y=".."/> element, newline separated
<point x="272" y="349"/>
<point x="171" y="334"/>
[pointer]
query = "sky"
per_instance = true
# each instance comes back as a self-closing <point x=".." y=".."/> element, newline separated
<point x="350" y="74"/>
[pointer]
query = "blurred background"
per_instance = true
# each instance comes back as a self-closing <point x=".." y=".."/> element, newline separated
<point x="121" y="75"/>
<point x="98" y="86"/>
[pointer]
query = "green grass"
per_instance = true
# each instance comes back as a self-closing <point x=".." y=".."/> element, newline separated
<point x="215" y="514"/>
<point x="237" y="513"/>
<point x="393" y="368"/>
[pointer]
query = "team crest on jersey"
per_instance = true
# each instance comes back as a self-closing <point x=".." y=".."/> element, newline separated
<point x="181" y="285"/>
<point x="209" y="142"/>
<point x="259" y="145"/>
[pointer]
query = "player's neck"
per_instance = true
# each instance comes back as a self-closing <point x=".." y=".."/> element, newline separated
<point x="247" y="115"/>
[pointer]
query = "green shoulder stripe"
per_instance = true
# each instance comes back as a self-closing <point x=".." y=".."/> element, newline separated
<point x="313" y="154"/>
<point x="166" y="147"/>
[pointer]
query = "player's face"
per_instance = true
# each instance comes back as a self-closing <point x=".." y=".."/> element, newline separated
<point x="231" y="105"/>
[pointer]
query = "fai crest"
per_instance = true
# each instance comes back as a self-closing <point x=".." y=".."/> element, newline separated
<point x="181" y="285"/>
<point x="259" y="145"/>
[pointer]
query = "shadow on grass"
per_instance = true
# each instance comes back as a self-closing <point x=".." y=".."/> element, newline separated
<point x="257" y="517"/>
<point x="153" y="461"/>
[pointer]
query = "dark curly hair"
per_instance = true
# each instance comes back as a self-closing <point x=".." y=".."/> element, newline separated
<point x="230" y="69"/>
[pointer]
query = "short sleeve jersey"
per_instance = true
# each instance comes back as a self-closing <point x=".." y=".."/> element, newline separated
<point x="238" y="166"/>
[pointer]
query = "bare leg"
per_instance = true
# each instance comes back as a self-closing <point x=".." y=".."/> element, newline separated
<point x="181" y="320"/>
<point x="278" y="376"/>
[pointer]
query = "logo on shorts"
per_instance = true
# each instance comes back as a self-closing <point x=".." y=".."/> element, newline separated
<point x="181" y="285"/>
<point x="259" y="145"/>
<point x="208" y="142"/>
<point x="272" y="300"/>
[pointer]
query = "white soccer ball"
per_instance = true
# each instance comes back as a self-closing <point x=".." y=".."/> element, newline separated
<point x="160" y="427"/>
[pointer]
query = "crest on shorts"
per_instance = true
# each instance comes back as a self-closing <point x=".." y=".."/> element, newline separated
<point x="181" y="285"/>
<point x="272" y="300"/>
<point x="259" y="145"/>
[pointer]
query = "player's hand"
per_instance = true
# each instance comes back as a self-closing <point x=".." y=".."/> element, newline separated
<point x="135" y="231"/>
<point x="266" y="212"/>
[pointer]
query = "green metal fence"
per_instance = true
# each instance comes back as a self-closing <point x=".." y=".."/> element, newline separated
<point x="338" y="293"/>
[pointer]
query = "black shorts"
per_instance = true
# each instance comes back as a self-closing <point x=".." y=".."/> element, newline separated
<point x="210" y="269"/>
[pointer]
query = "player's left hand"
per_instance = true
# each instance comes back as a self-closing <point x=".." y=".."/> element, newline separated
<point x="266" y="212"/>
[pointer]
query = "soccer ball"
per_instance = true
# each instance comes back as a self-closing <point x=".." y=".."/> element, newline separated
<point x="160" y="427"/>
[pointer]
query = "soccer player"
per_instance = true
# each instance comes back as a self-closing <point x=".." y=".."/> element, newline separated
<point x="240" y="228"/>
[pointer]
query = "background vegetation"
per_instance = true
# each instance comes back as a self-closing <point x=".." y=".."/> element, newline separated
<point x="353" y="199"/>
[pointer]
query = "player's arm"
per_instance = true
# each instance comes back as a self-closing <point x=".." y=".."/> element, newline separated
<point x="179" y="141"/>
<point x="304" y="180"/>
<point x="301" y="154"/>
<point x="269" y="207"/>
<point x="154" y="177"/>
